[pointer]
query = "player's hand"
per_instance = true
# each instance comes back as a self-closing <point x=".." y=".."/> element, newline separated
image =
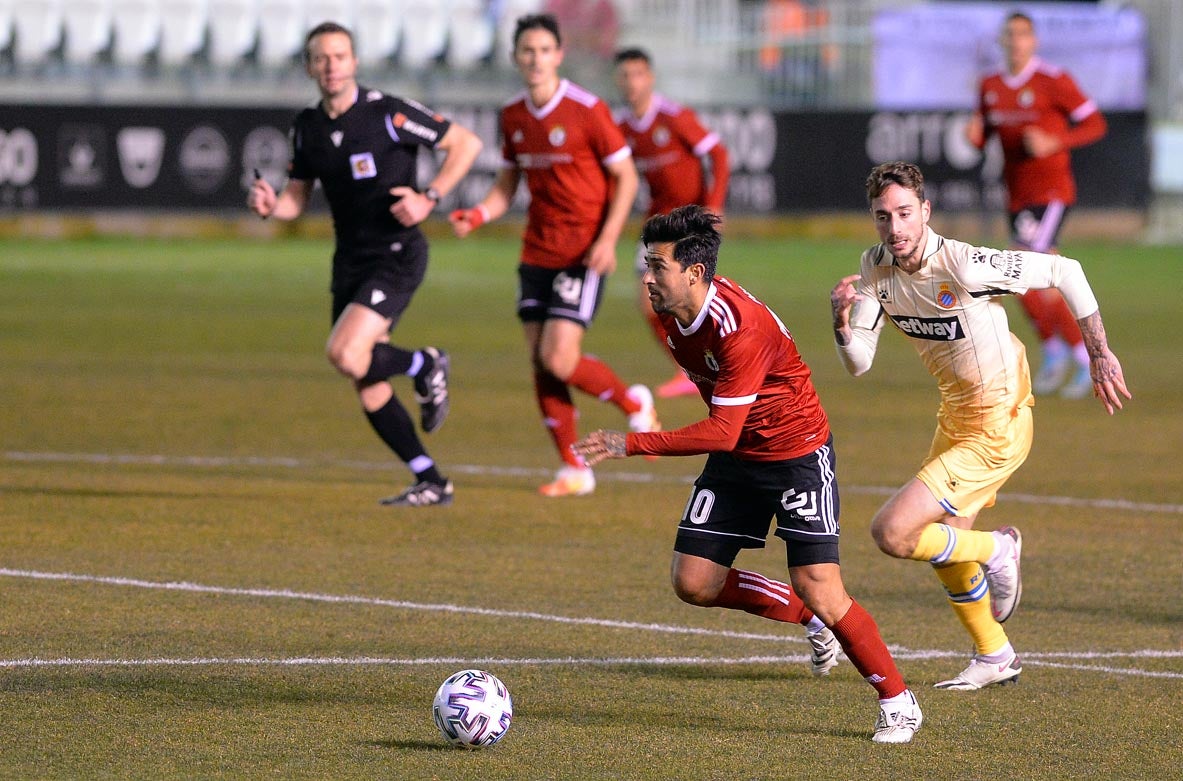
<point x="600" y="445"/>
<point x="465" y="221"/>
<point x="1040" y="143"/>
<point x="975" y="130"/>
<point x="1108" y="381"/>
<point x="410" y="206"/>
<point x="261" y="197"/>
<point x="842" y="298"/>
<point x="601" y="257"/>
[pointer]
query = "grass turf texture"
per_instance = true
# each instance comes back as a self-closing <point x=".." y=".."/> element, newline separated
<point x="168" y="417"/>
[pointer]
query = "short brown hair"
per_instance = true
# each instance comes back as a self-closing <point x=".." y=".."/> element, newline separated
<point x="906" y="175"/>
<point x="323" y="29"/>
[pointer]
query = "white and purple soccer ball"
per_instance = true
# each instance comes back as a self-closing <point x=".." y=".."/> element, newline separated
<point x="472" y="709"/>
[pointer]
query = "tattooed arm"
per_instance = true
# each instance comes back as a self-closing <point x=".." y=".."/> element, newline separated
<point x="1108" y="380"/>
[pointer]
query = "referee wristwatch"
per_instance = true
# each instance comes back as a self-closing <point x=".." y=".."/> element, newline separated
<point x="433" y="194"/>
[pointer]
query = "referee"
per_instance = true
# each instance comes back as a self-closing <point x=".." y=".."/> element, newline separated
<point x="363" y="146"/>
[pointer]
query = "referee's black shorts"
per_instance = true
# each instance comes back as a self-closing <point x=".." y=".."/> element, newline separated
<point x="383" y="281"/>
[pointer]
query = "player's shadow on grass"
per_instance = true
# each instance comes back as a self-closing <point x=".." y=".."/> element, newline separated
<point x="411" y="745"/>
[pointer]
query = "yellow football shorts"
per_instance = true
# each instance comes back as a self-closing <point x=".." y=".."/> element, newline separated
<point x="965" y="470"/>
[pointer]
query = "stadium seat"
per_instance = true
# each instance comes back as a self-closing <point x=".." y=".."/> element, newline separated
<point x="37" y="27"/>
<point x="377" y="26"/>
<point x="425" y="32"/>
<point x="281" y="31"/>
<point x="233" y="30"/>
<point x="5" y="24"/>
<point x="87" y="25"/>
<point x="340" y="11"/>
<point x="471" y="32"/>
<point x="510" y="11"/>
<point x="137" y="30"/>
<point x="182" y="29"/>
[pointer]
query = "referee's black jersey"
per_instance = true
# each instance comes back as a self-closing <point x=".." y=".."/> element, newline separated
<point x="358" y="157"/>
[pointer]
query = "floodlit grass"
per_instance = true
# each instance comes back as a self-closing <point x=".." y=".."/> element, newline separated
<point x="168" y="418"/>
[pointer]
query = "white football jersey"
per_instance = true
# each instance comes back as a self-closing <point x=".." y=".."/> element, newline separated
<point x="952" y="313"/>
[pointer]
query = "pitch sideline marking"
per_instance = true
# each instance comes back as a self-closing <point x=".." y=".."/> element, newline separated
<point x="1046" y="659"/>
<point x="498" y="471"/>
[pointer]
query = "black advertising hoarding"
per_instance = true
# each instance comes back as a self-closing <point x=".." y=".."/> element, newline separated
<point x="196" y="158"/>
<point x="109" y="157"/>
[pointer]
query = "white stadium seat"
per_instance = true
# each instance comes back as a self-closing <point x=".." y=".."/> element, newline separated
<point x="340" y="11"/>
<point x="377" y="26"/>
<point x="233" y="30"/>
<point x="182" y="29"/>
<point x="471" y="33"/>
<point x="37" y="27"/>
<point x="510" y="11"/>
<point x="137" y="30"/>
<point x="5" y="23"/>
<point x="425" y="32"/>
<point x="281" y="31"/>
<point x="87" y="27"/>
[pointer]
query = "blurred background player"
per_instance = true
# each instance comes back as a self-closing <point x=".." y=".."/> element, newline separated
<point x="582" y="183"/>
<point x="363" y="145"/>
<point x="770" y="454"/>
<point x="682" y="163"/>
<point x="1039" y="114"/>
<point x="944" y="295"/>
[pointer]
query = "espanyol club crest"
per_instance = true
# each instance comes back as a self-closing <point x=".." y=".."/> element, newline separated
<point x="946" y="298"/>
<point x="661" y="135"/>
<point x="557" y="136"/>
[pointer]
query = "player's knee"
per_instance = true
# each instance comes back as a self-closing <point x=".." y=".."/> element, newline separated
<point x="695" y="592"/>
<point x="347" y="360"/>
<point x="889" y="539"/>
<point x="556" y="363"/>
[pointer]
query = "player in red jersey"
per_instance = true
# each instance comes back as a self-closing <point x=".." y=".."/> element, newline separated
<point x="682" y="163"/>
<point x="582" y="183"/>
<point x="1039" y="114"/>
<point x="770" y="453"/>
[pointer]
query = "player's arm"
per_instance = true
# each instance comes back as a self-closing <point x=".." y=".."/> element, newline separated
<point x="495" y="203"/>
<point x="460" y="147"/>
<point x="601" y="256"/>
<point x="287" y="205"/>
<point x="857" y="321"/>
<point x="718" y="433"/>
<point x="1086" y="123"/>
<point x="715" y="198"/>
<point x="1039" y="271"/>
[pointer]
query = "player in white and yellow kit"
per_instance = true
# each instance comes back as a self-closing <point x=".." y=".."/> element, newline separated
<point x="945" y="296"/>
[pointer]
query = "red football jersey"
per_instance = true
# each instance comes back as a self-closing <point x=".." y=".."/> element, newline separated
<point x="667" y="145"/>
<point x="747" y="368"/>
<point x="562" y="149"/>
<point x="1047" y="97"/>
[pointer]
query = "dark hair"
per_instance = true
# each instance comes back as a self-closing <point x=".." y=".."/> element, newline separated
<point x="694" y="232"/>
<point x="537" y="22"/>
<point x="1014" y="15"/>
<point x="906" y="175"/>
<point x="322" y="29"/>
<point x="626" y="55"/>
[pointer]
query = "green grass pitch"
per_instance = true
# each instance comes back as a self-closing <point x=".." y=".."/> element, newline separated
<point x="196" y="580"/>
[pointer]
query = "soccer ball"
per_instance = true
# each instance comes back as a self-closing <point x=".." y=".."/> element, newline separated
<point x="472" y="709"/>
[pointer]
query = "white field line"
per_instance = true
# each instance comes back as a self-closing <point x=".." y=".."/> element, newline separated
<point x="1047" y="659"/>
<point x="1124" y="505"/>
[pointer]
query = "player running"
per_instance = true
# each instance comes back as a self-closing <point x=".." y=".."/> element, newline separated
<point x="945" y="296"/>
<point x="1039" y="115"/>
<point x="770" y="454"/>
<point x="582" y="183"/>
<point x="363" y="145"/>
<point x="682" y="163"/>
